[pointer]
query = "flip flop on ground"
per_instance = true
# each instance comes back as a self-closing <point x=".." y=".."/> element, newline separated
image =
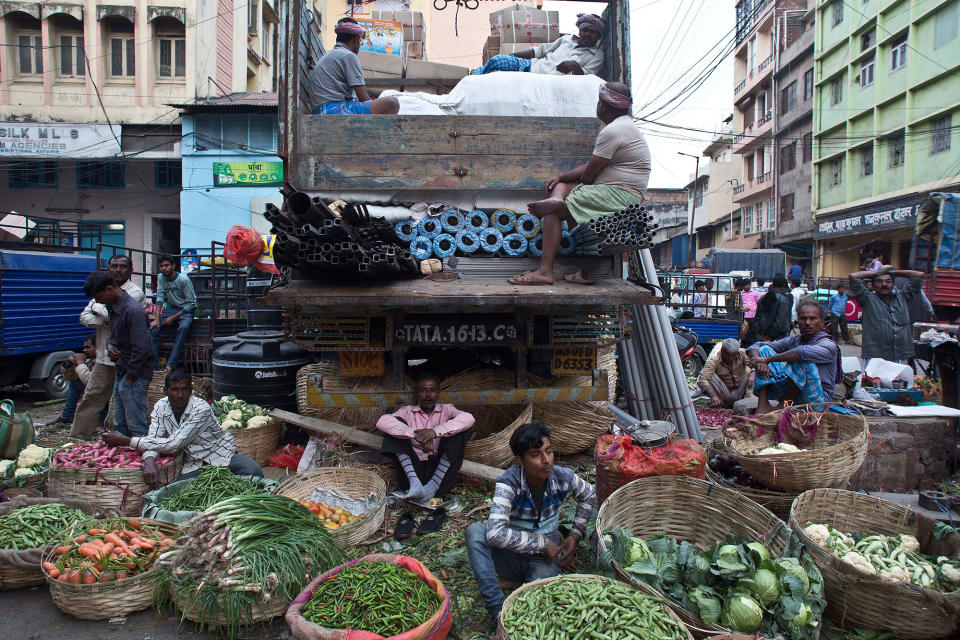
<point x="405" y="526"/>
<point x="433" y="522"/>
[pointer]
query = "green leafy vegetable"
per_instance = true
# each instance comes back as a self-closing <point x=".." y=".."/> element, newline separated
<point x="742" y="613"/>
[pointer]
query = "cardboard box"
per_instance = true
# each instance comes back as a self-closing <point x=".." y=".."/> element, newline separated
<point x="413" y="51"/>
<point x="412" y="21"/>
<point x="513" y="47"/>
<point x="380" y="65"/>
<point x="525" y="25"/>
<point x="424" y="69"/>
<point x="491" y="47"/>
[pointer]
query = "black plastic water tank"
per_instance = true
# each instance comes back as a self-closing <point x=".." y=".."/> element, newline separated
<point x="258" y="367"/>
<point x="264" y="318"/>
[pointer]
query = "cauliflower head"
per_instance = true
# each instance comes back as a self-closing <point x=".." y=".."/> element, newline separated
<point x="32" y="456"/>
<point x="231" y="424"/>
<point x="818" y="533"/>
<point x="860" y="562"/>
<point x="897" y="574"/>
<point x="951" y="572"/>
<point x="258" y="421"/>
<point x="7" y="467"/>
<point x="909" y="543"/>
<point x="234" y="414"/>
<point x="26" y="471"/>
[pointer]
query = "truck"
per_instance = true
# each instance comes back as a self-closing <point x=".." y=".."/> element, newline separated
<point x="762" y="263"/>
<point x="936" y="252"/>
<point x="469" y="312"/>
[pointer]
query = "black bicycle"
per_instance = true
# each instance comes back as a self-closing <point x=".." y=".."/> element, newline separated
<point x="440" y="5"/>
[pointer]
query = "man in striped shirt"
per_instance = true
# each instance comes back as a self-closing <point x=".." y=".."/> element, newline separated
<point x="183" y="423"/>
<point x="521" y="541"/>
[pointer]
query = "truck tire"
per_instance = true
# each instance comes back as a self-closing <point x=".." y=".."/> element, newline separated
<point x="55" y="385"/>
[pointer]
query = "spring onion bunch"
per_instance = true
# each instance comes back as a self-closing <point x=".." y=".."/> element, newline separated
<point x="210" y="487"/>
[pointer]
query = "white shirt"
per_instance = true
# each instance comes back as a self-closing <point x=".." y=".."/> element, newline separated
<point x="550" y="54"/>
<point x="797" y="293"/>
<point x="97" y="317"/>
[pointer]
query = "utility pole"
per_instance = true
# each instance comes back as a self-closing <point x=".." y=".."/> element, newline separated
<point x="693" y="208"/>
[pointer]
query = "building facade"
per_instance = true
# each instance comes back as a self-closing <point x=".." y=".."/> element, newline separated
<point x="720" y="227"/>
<point x="887" y="103"/>
<point x="671" y="240"/>
<point x="793" y="137"/>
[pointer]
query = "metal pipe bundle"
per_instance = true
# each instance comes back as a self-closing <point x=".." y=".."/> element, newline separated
<point x="629" y="229"/>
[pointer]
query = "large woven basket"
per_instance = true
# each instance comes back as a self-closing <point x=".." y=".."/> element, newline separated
<point x="495" y="450"/>
<point x="355" y="483"/>
<point x="120" y="489"/>
<point x="684" y="508"/>
<point x="259" y="443"/>
<point x="858" y="599"/>
<point x="33" y="483"/>
<point x="259" y="612"/>
<point x="364" y="419"/>
<point x="102" y="601"/>
<point x="508" y="602"/>
<point x="776" y="501"/>
<point x="156" y="390"/>
<point x="834" y="455"/>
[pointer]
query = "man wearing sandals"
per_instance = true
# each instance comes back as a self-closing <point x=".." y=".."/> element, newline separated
<point x="521" y="541"/>
<point x="801" y="368"/>
<point x="614" y="178"/>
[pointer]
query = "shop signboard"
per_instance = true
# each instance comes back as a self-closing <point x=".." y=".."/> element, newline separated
<point x="879" y="216"/>
<point x="247" y="174"/>
<point x="58" y="140"/>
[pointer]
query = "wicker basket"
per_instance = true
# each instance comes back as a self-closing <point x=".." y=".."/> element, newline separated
<point x="102" y="601"/>
<point x="495" y="450"/>
<point x="203" y="388"/>
<point x="121" y="489"/>
<point x="508" y="602"/>
<point x="259" y="443"/>
<point x="837" y="451"/>
<point x="574" y="426"/>
<point x="260" y="612"/>
<point x="688" y="509"/>
<point x="776" y="501"/>
<point x="364" y="419"/>
<point x="156" y="390"/>
<point x="356" y="483"/>
<point x="858" y="599"/>
<point x="34" y="483"/>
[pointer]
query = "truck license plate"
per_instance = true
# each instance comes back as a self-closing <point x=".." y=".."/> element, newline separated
<point x="568" y="361"/>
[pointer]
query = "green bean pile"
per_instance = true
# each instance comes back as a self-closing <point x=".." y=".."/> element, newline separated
<point x="207" y="489"/>
<point x="579" y="609"/>
<point x="36" y="526"/>
<point x="379" y="597"/>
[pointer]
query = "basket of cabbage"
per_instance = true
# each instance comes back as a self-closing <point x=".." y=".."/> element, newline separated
<point x="28" y="472"/>
<point x="257" y="434"/>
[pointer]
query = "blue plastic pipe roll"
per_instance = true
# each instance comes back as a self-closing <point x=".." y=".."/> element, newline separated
<point x="528" y="225"/>
<point x="406" y="230"/>
<point x="504" y="219"/>
<point x="535" y="246"/>
<point x="490" y="239"/>
<point x="444" y="245"/>
<point x="567" y="244"/>
<point x="430" y="227"/>
<point x="467" y="241"/>
<point x="421" y="248"/>
<point x="452" y="220"/>
<point x="476" y="220"/>
<point x="514" y="244"/>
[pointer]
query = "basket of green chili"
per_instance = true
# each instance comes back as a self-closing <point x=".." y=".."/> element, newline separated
<point x="387" y="595"/>
<point x="179" y="501"/>
<point x="586" y="606"/>
<point x="28" y="528"/>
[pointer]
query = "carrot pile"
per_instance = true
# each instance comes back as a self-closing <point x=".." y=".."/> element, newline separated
<point x="107" y="551"/>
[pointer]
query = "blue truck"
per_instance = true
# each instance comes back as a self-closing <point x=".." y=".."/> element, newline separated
<point x="41" y="297"/>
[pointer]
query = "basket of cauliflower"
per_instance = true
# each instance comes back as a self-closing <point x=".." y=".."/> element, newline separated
<point x="884" y="566"/>
<point x="256" y="433"/>
<point x="25" y="474"/>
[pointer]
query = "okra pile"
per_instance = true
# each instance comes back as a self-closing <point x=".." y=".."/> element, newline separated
<point x="580" y="609"/>
<point x="379" y="597"/>
<point x="36" y="526"/>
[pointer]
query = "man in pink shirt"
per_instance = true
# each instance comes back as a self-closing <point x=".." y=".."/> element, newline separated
<point x="428" y="441"/>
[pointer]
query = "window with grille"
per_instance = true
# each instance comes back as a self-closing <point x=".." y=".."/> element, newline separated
<point x="788" y="157"/>
<point x="895" y="151"/>
<point x="168" y="174"/>
<point x="29" y="54"/>
<point x="100" y="175"/>
<point x="945" y="26"/>
<point x="235" y="132"/>
<point x="173" y="57"/>
<point x="865" y="77"/>
<point x="837" y="12"/>
<point x="866" y="161"/>
<point x="835" y="169"/>
<point x="786" y="207"/>
<point x="940" y="135"/>
<point x="836" y="90"/>
<point x="898" y="53"/>
<point x="746" y="215"/>
<point x="71" y="55"/>
<point x="808" y="84"/>
<point x="788" y="97"/>
<point x="807" y="147"/>
<point x="33" y="174"/>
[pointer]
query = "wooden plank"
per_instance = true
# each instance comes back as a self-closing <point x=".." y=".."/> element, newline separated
<point x="372" y="441"/>
<point x="430" y="172"/>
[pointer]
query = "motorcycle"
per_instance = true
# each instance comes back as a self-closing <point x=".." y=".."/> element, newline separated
<point x="692" y="355"/>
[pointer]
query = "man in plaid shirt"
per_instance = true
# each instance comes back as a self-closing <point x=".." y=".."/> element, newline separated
<point x="521" y="541"/>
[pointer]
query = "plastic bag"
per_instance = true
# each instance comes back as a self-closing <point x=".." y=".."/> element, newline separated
<point x="287" y="458"/>
<point x="244" y="246"/>
<point x="619" y="461"/>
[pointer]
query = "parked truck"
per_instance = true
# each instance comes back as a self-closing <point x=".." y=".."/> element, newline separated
<point x="762" y="263"/>
<point x="41" y="297"/>
<point x="936" y="251"/>
<point x="471" y="309"/>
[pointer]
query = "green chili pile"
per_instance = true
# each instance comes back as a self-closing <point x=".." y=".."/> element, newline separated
<point x="379" y="597"/>
<point x="580" y="609"/>
<point x="207" y="489"/>
<point x="36" y="526"/>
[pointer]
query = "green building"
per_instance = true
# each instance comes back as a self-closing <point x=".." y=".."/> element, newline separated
<point x="887" y="104"/>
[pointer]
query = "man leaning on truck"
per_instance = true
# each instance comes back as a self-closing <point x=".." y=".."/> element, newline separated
<point x="337" y="78"/>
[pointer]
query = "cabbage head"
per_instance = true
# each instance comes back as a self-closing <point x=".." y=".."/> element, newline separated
<point x="728" y="558"/>
<point x="743" y="614"/>
<point x="764" y="586"/>
<point x="706" y="603"/>
<point x="804" y="617"/>
<point x="638" y="550"/>
<point x="791" y="568"/>
<point x="760" y="550"/>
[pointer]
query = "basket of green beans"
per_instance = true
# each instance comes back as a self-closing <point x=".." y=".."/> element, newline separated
<point x="28" y="528"/>
<point x="179" y="501"/>
<point x="587" y="607"/>
<point x="381" y="594"/>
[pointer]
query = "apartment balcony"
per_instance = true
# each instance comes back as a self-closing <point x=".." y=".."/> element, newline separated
<point x="753" y="187"/>
<point x="761" y="76"/>
<point x="756" y="134"/>
<point x="750" y="18"/>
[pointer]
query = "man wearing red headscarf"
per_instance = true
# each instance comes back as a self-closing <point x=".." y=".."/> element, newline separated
<point x="337" y="78"/>
<point x="577" y="55"/>
<point x="614" y="178"/>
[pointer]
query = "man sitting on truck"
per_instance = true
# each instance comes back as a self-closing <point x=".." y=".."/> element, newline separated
<point x="176" y="306"/>
<point x="802" y="368"/>
<point x="614" y="178"/>
<point x="336" y="85"/>
<point x="577" y="55"/>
